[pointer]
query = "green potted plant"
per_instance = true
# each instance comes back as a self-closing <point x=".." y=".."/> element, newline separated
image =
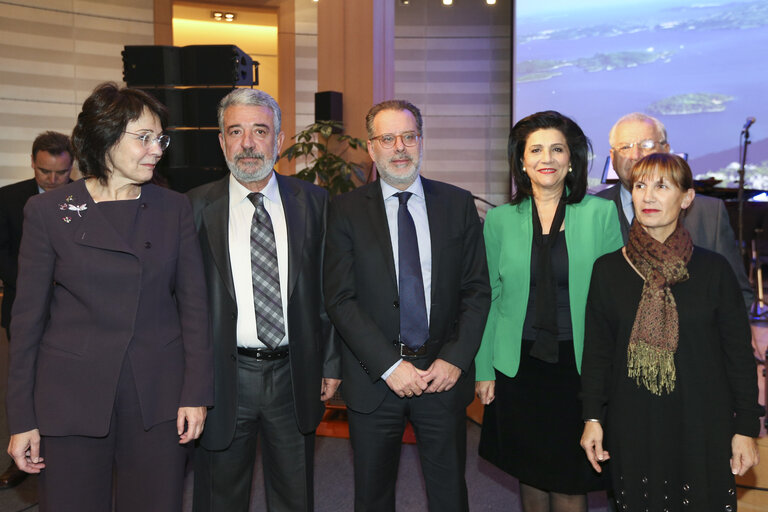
<point x="326" y="166"/>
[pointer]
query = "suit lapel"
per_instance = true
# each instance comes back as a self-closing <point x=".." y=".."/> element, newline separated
<point x="622" y="218"/>
<point x="380" y="228"/>
<point x="95" y="230"/>
<point x="216" y="220"/>
<point x="295" y="210"/>
<point x="435" y="214"/>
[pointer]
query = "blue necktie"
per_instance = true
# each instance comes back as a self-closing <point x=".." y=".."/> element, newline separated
<point x="414" y="329"/>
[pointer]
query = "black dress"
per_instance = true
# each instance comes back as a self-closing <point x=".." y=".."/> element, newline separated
<point x="672" y="452"/>
<point x="533" y="427"/>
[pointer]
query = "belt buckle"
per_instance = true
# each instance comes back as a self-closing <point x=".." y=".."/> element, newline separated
<point x="403" y="346"/>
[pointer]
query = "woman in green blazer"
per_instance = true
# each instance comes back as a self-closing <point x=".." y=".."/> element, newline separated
<point x="540" y="249"/>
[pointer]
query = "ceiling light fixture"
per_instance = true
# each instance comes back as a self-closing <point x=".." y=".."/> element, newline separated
<point x="490" y="2"/>
<point x="447" y="2"/>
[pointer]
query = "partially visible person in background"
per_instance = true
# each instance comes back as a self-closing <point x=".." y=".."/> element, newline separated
<point x="111" y="367"/>
<point x="540" y="249"/>
<point x="52" y="164"/>
<point x="668" y="382"/>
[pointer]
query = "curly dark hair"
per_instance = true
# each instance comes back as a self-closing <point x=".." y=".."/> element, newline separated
<point x="578" y="146"/>
<point x="102" y="121"/>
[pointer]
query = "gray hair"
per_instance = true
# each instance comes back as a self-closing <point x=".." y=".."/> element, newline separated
<point x="393" y="105"/>
<point x="639" y="116"/>
<point x="252" y="97"/>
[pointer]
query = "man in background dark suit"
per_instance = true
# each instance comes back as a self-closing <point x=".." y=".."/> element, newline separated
<point x="636" y="135"/>
<point x="274" y="358"/>
<point x="52" y="164"/>
<point x="406" y="286"/>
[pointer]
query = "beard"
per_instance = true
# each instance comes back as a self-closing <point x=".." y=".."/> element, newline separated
<point x="402" y="176"/>
<point x="253" y="172"/>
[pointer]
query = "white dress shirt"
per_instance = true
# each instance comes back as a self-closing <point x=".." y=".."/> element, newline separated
<point x="417" y="206"/>
<point x="240" y="217"/>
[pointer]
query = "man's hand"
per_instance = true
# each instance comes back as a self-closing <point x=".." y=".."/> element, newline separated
<point x="328" y="388"/>
<point x="194" y="419"/>
<point x="407" y="380"/>
<point x="25" y="450"/>
<point x="441" y="376"/>
<point x="485" y="391"/>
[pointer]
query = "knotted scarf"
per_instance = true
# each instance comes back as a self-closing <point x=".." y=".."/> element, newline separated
<point x="655" y="333"/>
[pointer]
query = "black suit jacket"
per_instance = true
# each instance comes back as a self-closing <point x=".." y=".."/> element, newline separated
<point x="90" y="296"/>
<point x="12" y="200"/>
<point x="362" y="293"/>
<point x="707" y="222"/>
<point x="313" y="354"/>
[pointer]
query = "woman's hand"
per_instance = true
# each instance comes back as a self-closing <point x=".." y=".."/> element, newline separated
<point x="194" y="418"/>
<point x="592" y="442"/>
<point x="485" y="391"/>
<point x="25" y="450"/>
<point x="745" y="454"/>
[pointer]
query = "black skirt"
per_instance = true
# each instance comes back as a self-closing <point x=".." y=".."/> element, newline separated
<point x="533" y="427"/>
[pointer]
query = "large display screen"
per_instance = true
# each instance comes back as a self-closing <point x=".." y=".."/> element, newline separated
<point x="700" y="67"/>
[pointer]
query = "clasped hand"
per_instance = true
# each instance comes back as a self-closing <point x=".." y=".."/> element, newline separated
<point x="407" y="380"/>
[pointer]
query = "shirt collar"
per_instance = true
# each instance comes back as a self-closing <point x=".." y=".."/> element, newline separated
<point x="416" y="188"/>
<point x="238" y="192"/>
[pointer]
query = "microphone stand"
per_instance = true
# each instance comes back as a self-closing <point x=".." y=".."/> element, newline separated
<point x="740" y="196"/>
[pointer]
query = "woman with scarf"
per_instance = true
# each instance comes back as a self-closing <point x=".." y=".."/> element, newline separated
<point x="668" y="372"/>
<point x="540" y="250"/>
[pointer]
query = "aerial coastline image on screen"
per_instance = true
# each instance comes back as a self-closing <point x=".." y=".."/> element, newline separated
<point x="700" y="67"/>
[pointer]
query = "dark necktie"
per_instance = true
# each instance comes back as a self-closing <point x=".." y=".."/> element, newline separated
<point x="414" y="329"/>
<point x="265" y="276"/>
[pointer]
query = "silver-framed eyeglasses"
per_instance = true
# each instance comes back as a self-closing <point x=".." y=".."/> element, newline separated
<point x="388" y="140"/>
<point x="148" y="138"/>
<point x="645" y="146"/>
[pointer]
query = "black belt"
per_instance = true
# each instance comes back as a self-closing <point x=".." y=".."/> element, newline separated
<point x="407" y="352"/>
<point x="263" y="354"/>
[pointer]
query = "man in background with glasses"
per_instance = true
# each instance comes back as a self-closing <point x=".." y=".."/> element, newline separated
<point x="636" y="135"/>
<point x="406" y="286"/>
<point x="52" y="164"/>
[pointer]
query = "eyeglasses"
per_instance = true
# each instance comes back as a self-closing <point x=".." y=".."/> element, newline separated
<point x="147" y="139"/>
<point x="388" y="140"/>
<point x="646" y="146"/>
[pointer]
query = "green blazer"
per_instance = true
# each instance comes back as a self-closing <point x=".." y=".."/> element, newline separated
<point x="591" y="230"/>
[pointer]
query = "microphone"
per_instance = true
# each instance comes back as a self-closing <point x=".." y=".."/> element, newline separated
<point x="750" y="122"/>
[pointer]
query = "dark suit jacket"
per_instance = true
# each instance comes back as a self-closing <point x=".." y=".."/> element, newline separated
<point x="362" y="293"/>
<point x="88" y="298"/>
<point x="313" y="354"/>
<point x="707" y="222"/>
<point x="12" y="200"/>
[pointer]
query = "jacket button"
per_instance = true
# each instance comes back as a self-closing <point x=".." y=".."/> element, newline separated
<point x="234" y="316"/>
<point x="233" y="357"/>
<point x="143" y="205"/>
<point x="396" y="304"/>
<point x="147" y="245"/>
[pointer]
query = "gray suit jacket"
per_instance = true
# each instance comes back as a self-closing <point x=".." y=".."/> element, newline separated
<point x="707" y="222"/>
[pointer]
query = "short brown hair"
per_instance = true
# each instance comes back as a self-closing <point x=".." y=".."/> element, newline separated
<point x="102" y="121"/>
<point x="668" y="166"/>
<point x="393" y="105"/>
<point x="54" y="143"/>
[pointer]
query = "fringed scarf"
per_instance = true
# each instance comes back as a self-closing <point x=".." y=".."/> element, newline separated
<point x="653" y="342"/>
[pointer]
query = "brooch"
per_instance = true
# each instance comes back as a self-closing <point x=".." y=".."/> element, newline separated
<point x="70" y="206"/>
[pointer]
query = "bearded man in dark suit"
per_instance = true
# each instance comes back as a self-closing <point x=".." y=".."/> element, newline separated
<point x="406" y="286"/>
<point x="52" y="164"/>
<point x="262" y="237"/>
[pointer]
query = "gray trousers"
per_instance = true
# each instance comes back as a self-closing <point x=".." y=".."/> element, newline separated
<point x="265" y="410"/>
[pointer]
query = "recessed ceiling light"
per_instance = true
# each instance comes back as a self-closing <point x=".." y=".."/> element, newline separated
<point x="447" y="2"/>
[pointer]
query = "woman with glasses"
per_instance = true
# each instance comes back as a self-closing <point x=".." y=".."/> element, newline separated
<point x="541" y="247"/>
<point x="111" y="363"/>
<point x="668" y="380"/>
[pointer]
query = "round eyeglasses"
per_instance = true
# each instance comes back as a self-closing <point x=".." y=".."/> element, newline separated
<point x="148" y="138"/>
<point x="388" y="140"/>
